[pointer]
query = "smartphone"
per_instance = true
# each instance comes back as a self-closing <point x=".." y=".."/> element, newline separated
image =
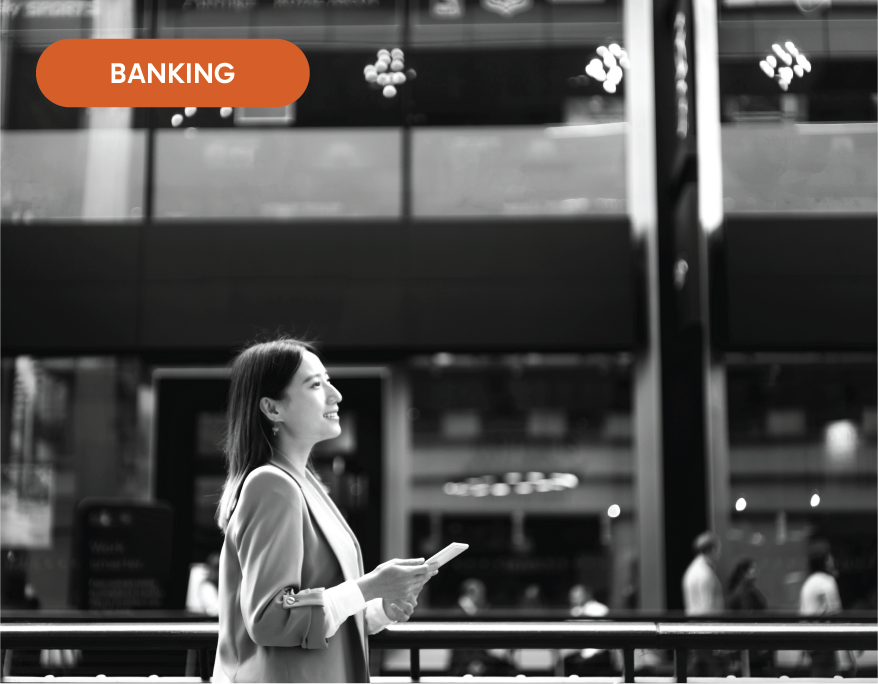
<point x="453" y="550"/>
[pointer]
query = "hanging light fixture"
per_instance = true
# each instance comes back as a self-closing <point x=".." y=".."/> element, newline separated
<point x="784" y="64"/>
<point x="608" y="65"/>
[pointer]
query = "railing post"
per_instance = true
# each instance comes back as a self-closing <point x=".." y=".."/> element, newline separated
<point x="204" y="664"/>
<point x="627" y="665"/>
<point x="681" y="659"/>
<point x="416" y="664"/>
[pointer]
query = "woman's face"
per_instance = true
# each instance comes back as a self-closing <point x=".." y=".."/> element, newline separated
<point x="309" y="410"/>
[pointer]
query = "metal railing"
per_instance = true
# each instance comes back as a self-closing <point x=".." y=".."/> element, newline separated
<point x="414" y="636"/>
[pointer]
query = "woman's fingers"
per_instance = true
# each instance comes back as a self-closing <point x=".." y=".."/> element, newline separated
<point x="408" y="561"/>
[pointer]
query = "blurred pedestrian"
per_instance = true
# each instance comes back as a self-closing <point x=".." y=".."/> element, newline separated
<point x="819" y="597"/>
<point x="745" y="595"/>
<point x="586" y="662"/>
<point x="478" y="662"/>
<point x="703" y="595"/>
<point x="473" y="596"/>
<point x="532" y="597"/>
<point x="702" y="590"/>
<point x="583" y="603"/>
<point x="743" y="592"/>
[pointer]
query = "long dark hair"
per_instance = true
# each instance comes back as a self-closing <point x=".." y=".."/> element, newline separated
<point x="261" y="370"/>
<point x="739" y="572"/>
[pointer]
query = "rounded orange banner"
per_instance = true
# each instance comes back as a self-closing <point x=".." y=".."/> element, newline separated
<point x="103" y="72"/>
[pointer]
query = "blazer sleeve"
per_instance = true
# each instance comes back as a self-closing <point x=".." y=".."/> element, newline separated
<point x="276" y="608"/>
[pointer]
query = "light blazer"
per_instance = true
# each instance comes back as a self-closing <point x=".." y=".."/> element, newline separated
<point x="283" y="542"/>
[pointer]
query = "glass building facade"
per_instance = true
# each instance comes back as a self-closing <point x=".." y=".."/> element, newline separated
<point x="597" y="277"/>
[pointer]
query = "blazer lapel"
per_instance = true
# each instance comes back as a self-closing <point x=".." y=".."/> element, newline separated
<point x="323" y="515"/>
<point x="360" y="616"/>
<point x="329" y="519"/>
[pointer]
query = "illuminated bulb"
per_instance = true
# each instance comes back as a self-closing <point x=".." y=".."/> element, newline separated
<point x="767" y="68"/>
<point x="778" y="50"/>
<point x="381" y="67"/>
<point x="479" y="489"/>
<point x="792" y="49"/>
<point x="450" y="488"/>
<point x="815" y="500"/>
<point x="614" y="74"/>
<point x="783" y="85"/>
<point x="614" y="511"/>
<point x="512" y="478"/>
<point x="625" y="62"/>
<point x="786" y="74"/>
<point x="176" y="120"/>
<point x="368" y="68"/>
<point x="772" y="61"/>
<point x="798" y="70"/>
<point x="383" y="53"/>
<point x="500" y="489"/>
<point x="803" y="62"/>
<point x="609" y="60"/>
<point x="225" y="112"/>
<point x="397" y="79"/>
<point x="397" y="65"/>
<point x="389" y="91"/>
<point x="382" y="79"/>
<point x="602" y="51"/>
<point x="534" y="476"/>
<point x="615" y="49"/>
<point x="610" y="87"/>
<point x="599" y="76"/>
<point x="373" y="76"/>
<point x="523" y="488"/>
<point x="396" y="53"/>
<point x="190" y="111"/>
<point x="741" y="504"/>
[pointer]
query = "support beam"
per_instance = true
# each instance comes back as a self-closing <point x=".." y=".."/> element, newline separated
<point x="640" y="163"/>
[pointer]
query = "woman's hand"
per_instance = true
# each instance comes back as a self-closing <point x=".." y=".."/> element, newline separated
<point x="399" y="610"/>
<point x="397" y="580"/>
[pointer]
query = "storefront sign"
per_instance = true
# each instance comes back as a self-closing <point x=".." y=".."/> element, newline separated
<point x="123" y="554"/>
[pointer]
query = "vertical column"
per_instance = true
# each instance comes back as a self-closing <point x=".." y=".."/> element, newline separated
<point x="397" y="466"/>
<point x="95" y="437"/>
<point x="108" y="165"/>
<point x="684" y="481"/>
<point x="640" y="164"/>
<point x="689" y="208"/>
<point x="710" y="218"/>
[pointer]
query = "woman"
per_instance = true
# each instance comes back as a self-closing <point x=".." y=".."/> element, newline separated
<point x="291" y="571"/>
<point x="745" y="595"/>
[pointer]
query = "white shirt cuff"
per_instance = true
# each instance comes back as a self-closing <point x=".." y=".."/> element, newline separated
<point x="339" y="603"/>
<point x="376" y="618"/>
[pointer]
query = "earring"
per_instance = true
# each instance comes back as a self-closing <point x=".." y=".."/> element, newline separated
<point x="275" y="429"/>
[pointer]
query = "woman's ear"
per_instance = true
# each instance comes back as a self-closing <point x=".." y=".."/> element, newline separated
<point x="267" y="407"/>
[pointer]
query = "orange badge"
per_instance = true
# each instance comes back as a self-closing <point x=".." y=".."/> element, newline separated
<point x="173" y="73"/>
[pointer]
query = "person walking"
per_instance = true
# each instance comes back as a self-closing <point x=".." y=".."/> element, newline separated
<point x="745" y="595"/>
<point x="294" y="602"/>
<point x="703" y="595"/>
<point x="819" y="597"/>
